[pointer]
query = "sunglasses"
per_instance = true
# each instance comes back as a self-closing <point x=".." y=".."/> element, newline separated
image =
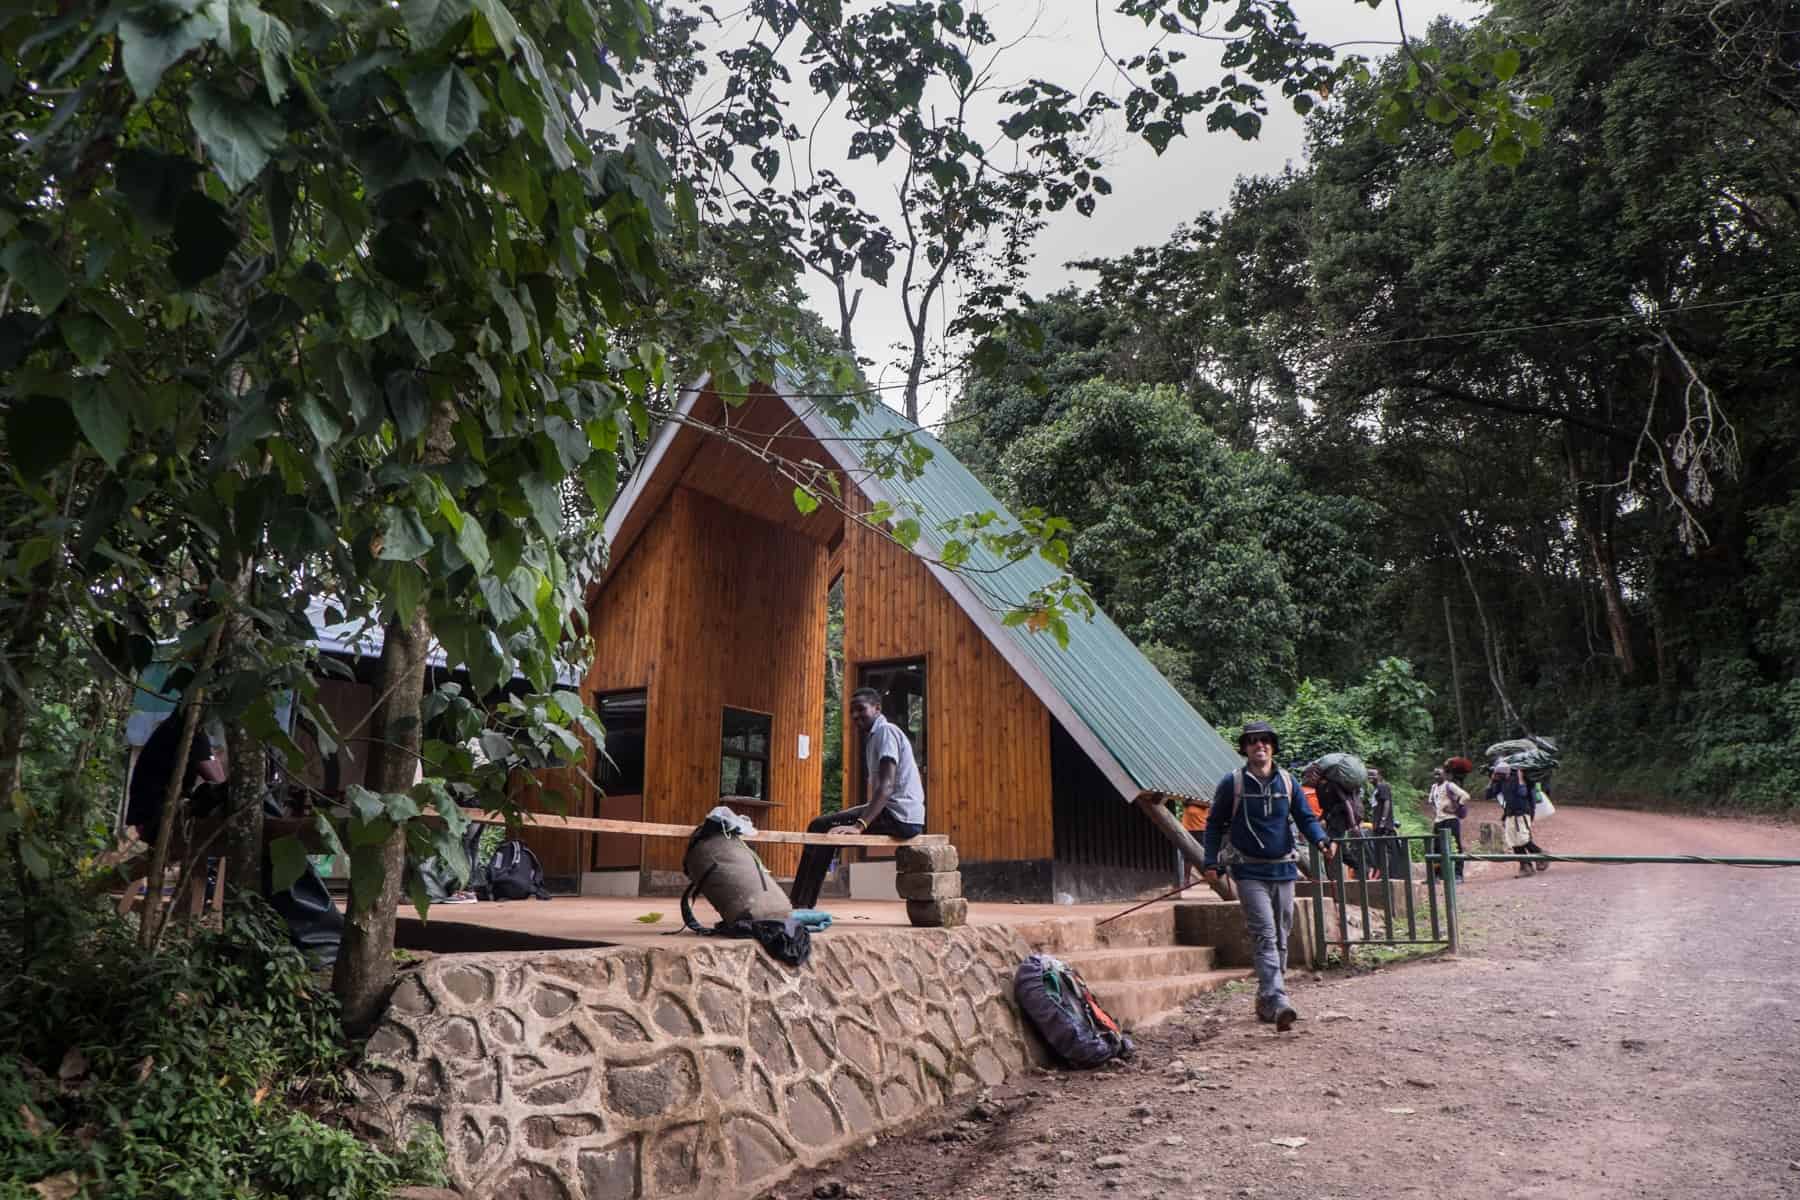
<point x="1259" y="739"/>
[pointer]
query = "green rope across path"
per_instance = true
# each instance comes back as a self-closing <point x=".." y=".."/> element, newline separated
<point x="1623" y="859"/>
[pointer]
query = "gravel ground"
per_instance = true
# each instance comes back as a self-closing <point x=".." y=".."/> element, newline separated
<point x="1607" y="1031"/>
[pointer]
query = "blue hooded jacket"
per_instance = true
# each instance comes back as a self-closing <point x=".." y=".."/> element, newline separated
<point x="1263" y="829"/>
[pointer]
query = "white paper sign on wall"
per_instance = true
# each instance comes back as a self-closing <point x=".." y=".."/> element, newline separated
<point x="805" y="746"/>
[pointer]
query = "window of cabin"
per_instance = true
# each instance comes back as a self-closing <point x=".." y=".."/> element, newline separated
<point x="744" y="758"/>
<point x="620" y="770"/>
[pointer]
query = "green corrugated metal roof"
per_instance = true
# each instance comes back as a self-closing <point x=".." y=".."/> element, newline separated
<point x="1153" y="734"/>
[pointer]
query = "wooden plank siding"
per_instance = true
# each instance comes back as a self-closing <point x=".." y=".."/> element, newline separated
<point x="625" y="624"/>
<point x="716" y="608"/>
<point x="988" y="737"/>
<point x="561" y="854"/>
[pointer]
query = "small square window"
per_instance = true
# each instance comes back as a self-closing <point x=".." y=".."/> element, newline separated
<point x="744" y="760"/>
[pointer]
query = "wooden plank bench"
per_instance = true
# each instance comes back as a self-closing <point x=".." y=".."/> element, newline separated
<point x="933" y="896"/>
<point x="553" y="821"/>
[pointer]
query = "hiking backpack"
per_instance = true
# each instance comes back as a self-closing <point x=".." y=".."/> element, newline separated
<point x="514" y="873"/>
<point x="1057" y="1004"/>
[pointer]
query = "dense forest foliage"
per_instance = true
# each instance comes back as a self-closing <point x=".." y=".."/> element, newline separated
<point x="1530" y="429"/>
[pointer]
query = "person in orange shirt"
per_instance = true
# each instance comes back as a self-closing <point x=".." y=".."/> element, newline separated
<point x="1193" y="819"/>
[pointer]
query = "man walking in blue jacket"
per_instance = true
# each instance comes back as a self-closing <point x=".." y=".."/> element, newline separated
<point x="1251" y="830"/>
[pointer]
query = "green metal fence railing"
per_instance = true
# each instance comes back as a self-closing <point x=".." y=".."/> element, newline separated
<point x="1384" y="861"/>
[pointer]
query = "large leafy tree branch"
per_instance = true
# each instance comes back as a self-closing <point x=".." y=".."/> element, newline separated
<point x="315" y="304"/>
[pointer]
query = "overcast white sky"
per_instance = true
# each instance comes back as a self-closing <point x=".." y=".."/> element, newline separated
<point x="1151" y="195"/>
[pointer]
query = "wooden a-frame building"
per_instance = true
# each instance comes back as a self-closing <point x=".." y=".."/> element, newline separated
<point x="709" y="627"/>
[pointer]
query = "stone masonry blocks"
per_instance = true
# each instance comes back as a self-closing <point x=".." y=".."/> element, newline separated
<point x="704" y="1072"/>
<point x="930" y="885"/>
<point x="913" y="860"/>
<point x="947" y="914"/>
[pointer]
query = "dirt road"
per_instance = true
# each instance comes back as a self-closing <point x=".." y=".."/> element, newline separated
<point x="1606" y="1032"/>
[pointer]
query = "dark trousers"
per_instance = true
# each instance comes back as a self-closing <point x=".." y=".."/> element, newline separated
<point x="816" y="860"/>
<point x="1454" y="825"/>
<point x="1353" y="856"/>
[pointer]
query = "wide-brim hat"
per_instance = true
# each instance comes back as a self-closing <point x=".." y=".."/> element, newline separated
<point x="1258" y="727"/>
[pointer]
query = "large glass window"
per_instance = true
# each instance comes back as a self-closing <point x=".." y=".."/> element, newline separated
<point x="744" y="759"/>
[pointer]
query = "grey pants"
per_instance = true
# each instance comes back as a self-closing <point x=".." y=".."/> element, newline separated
<point x="1268" y="914"/>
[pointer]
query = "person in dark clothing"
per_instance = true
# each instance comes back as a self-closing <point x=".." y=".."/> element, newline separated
<point x="1341" y="814"/>
<point x="156" y="763"/>
<point x="1250" y="829"/>
<point x="1516" y="805"/>
<point x="896" y="797"/>
<point x="1381" y="803"/>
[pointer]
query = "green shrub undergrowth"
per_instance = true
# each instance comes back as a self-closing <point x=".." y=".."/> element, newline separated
<point x="211" y="1069"/>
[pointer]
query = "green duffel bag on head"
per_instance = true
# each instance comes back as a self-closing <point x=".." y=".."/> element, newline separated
<point x="1512" y="748"/>
<point x="721" y="867"/>
<point x="1536" y="764"/>
<point x="1344" y="769"/>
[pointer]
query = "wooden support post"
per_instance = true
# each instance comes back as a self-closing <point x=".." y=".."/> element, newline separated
<point x="196" y="888"/>
<point x="1191" y="850"/>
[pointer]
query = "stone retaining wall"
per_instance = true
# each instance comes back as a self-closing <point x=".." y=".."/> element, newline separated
<point x="703" y="1071"/>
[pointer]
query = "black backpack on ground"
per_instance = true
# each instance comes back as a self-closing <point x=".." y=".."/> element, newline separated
<point x="514" y="873"/>
<point x="1057" y="1003"/>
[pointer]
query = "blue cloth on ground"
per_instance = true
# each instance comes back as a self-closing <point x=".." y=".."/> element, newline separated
<point x="815" y="920"/>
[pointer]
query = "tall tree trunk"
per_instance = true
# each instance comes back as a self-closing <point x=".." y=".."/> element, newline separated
<point x="150" y="924"/>
<point x="1462" y="720"/>
<point x="12" y="741"/>
<point x="247" y="759"/>
<point x="1659" y="637"/>
<point x="848" y="302"/>
<point x="1618" y="621"/>
<point x="915" y="372"/>
<point x="102" y="706"/>
<point x="1594" y="525"/>
<point x="247" y="775"/>
<point x="1496" y="671"/>
<point x="12" y="749"/>
<point x="365" y="962"/>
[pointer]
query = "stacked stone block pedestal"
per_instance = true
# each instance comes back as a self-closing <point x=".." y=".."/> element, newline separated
<point x="928" y="880"/>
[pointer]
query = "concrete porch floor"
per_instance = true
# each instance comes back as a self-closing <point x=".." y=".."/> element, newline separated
<point x="567" y="922"/>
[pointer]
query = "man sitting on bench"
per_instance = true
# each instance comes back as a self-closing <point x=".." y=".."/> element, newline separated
<point x="896" y="800"/>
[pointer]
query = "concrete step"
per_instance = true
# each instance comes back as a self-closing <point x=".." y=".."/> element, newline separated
<point x="1152" y="926"/>
<point x="1062" y="936"/>
<point x="1141" y="1003"/>
<point x="1140" y="962"/>
<point x="1059" y="935"/>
